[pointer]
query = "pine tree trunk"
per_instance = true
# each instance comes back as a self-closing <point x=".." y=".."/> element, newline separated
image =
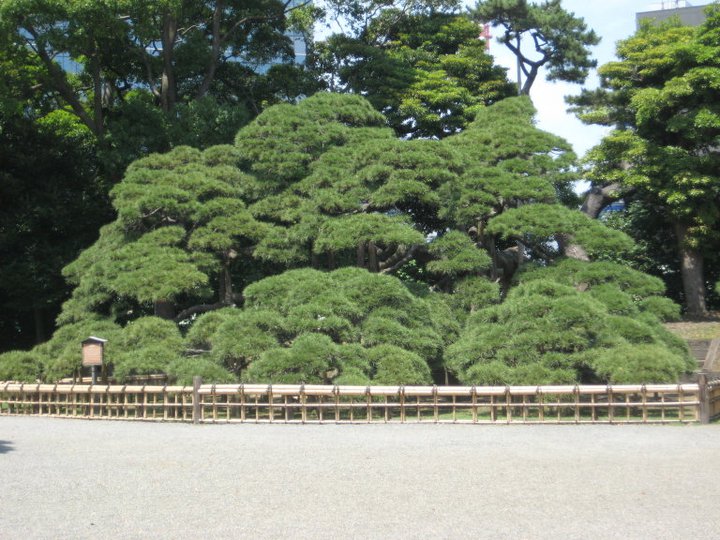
<point x="572" y="250"/>
<point x="373" y="263"/>
<point x="165" y="309"/>
<point x="494" y="269"/>
<point x="212" y="64"/>
<point x="361" y="255"/>
<point x="693" y="278"/>
<point x="225" y="286"/>
<point x="599" y="197"/>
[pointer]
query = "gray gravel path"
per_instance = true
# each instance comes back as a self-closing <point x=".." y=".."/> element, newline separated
<point x="99" y="479"/>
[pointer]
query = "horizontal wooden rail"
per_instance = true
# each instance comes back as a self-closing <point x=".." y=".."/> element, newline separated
<point x="261" y="403"/>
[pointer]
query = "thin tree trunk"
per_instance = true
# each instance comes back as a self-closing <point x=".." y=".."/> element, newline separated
<point x="63" y="87"/>
<point x="519" y="68"/>
<point x="373" y="263"/>
<point x="494" y="269"/>
<point x="39" y="317"/>
<point x="98" y="98"/>
<point x="361" y="255"/>
<point x="168" y="89"/>
<point x="211" y="67"/>
<point x="529" y="81"/>
<point x="226" y="288"/>
<point x="693" y="277"/>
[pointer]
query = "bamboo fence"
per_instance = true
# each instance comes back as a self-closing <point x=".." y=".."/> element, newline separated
<point x="315" y="404"/>
<point x="713" y="397"/>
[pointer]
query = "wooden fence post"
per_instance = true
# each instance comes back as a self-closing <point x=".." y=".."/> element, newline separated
<point x="196" y="411"/>
<point x="703" y="398"/>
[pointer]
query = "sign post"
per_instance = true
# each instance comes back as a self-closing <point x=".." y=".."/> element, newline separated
<point x="93" y="349"/>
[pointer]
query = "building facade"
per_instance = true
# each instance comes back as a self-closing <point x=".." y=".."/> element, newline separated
<point x="689" y="15"/>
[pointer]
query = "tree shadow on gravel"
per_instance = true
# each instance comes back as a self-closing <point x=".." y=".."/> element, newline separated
<point x="5" y="447"/>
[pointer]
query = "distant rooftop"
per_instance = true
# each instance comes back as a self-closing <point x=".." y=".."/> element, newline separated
<point x="661" y="11"/>
<point x="669" y="4"/>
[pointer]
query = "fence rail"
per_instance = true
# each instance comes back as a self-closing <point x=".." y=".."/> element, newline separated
<point x="253" y="403"/>
<point x="138" y="402"/>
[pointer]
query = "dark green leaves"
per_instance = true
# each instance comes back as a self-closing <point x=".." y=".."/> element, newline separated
<point x="426" y="71"/>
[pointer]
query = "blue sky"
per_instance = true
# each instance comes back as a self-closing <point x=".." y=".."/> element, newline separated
<point x="612" y="20"/>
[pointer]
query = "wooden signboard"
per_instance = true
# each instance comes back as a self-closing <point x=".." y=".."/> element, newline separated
<point x="92" y="351"/>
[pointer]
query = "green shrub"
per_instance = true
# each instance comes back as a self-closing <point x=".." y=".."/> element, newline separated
<point x="663" y="308"/>
<point x="147" y="345"/>
<point x="547" y="332"/>
<point x="630" y="363"/>
<point x="20" y="366"/>
<point x="62" y="355"/>
<point x="393" y="365"/>
<point x="310" y="326"/>
<point x="308" y="360"/>
<point x="182" y="370"/>
<point x="145" y="361"/>
<point x="205" y="326"/>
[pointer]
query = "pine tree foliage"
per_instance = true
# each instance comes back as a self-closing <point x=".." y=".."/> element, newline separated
<point x="281" y="143"/>
<point x="316" y="327"/>
<point x="539" y="224"/>
<point x="147" y="345"/>
<point x="61" y="354"/>
<point x="316" y="212"/>
<point x="457" y="255"/>
<point x="549" y="332"/>
<point x="20" y="366"/>
<point x="181" y="221"/>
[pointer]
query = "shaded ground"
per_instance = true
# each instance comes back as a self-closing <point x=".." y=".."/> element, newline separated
<point x="90" y="479"/>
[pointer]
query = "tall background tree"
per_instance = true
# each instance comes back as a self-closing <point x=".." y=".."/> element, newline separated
<point x="178" y="52"/>
<point x="422" y="64"/>
<point x="53" y="197"/>
<point x="541" y="36"/>
<point x="661" y="96"/>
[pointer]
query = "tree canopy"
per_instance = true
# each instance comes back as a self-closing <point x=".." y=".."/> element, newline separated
<point x="661" y="98"/>
<point x="425" y="70"/>
<point x="215" y="215"/>
<point x="53" y="196"/>
<point x="361" y="259"/>
<point x="178" y="52"/>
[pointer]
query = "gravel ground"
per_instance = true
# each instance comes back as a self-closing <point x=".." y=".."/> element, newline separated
<point x="94" y="479"/>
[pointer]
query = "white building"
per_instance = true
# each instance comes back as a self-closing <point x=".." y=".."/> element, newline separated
<point x="689" y="14"/>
